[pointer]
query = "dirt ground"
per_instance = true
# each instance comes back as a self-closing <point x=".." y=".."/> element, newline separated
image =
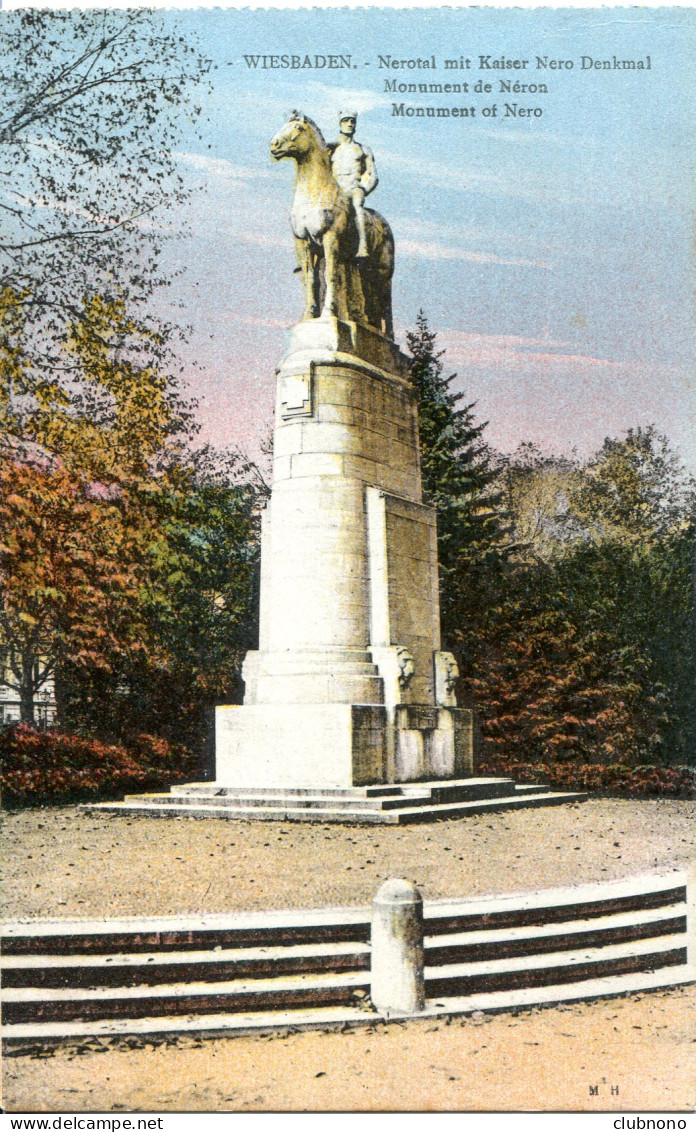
<point x="75" y="863"/>
<point x="70" y="862"/>
<point x="644" y="1046"/>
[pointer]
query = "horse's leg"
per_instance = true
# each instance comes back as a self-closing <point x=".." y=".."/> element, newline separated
<point x="387" y="320"/>
<point x="331" y="265"/>
<point x="303" y="254"/>
<point x="318" y="272"/>
<point x="357" y="291"/>
<point x="384" y="270"/>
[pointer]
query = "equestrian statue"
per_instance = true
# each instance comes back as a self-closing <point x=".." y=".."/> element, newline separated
<point x="345" y="252"/>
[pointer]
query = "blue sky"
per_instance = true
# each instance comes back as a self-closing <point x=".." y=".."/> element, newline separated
<point x="553" y="255"/>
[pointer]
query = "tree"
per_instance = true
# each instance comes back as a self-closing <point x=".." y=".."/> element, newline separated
<point x="65" y="580"/>
<point x="128" y="563"/>
<point x="130" y="555"/>
<point x="199" y="602"/>
<point x="78" y="509"/>
<point x="123" y="419"/>
<point x="93" y="104"/>
<point x="80" y="505"/>
<point x="637" y="495"/>
<point x="635" y="489"/>
<point x="561" y="676"/>
<point x="590" y="655"/>
<point x="461" y="482"/>
<point x="538" y="488"/>
<point x="170" y="533"/>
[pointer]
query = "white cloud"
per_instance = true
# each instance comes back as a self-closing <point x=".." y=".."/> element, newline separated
<point x="260" y="239"/>
<point x="221" y="168"/>
<point x="517" y="183"/>
<point x="461" y="340"/>
<point x="433" y="250"/>
<point x="541" y="356"/>
<point x="337" y="98"/>
<point x="417" y="228"/>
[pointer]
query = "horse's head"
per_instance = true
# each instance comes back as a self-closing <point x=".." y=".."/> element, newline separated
<point x="299" y="136"/>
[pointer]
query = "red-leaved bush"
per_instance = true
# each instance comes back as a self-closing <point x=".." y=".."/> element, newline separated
<point x="614" y="778"/>
<point x="38" y="767"/>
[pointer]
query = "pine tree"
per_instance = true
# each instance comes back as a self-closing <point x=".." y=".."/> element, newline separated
<point x="460" y="481"/>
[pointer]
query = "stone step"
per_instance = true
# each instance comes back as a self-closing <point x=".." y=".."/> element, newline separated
<point x="441" y="788"/>
<point x="287" y="928"/>
<point x="472" y="946"/>
<point x="472" y="791"/>
<point x="215" y="964"/>
<point x="308" y="802"/>
<point x="242" y="812"/>
<point x="296" y="968"/>
<point x="558" y="968"/>
<point x="383" y="803"/>
<point x="20" y="1035"/>
<point x="454" y="783"/>
<point x="396" y="799"/>
<point x="64" y="1004"/>
<point x="150" y="968"/>
<point x="427" y="811"/>
<point x="487" y="805"/>
<point x="214" y="789"/>
<point x="661" y="892"/>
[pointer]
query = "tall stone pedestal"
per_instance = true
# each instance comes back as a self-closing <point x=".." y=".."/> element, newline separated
<point x="349" y="686"/>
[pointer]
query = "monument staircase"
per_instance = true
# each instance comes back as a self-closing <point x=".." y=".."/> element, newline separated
<point x="254" y="972"/>
<point x="396" y="804"/>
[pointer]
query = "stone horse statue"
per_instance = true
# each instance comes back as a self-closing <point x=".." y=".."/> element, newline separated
<point x="326" y="237"/>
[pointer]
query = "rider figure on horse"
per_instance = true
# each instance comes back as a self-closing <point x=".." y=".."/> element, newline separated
<point x="353" y="167"/>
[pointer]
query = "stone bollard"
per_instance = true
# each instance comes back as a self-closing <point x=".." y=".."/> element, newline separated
<point x="397" y="949"/>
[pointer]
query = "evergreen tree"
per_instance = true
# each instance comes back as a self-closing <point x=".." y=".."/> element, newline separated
<point x="461" y="482"/>
<point x="566" y="587"/>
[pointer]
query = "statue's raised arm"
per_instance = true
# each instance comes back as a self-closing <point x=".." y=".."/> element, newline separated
<point x="345" y="251"/>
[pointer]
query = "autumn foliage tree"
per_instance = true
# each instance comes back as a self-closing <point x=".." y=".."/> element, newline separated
<point x="65" y="581"/>
<point x="195" y="615"/>
<point x="98" y="440"/>
<point x="72" y="544"/>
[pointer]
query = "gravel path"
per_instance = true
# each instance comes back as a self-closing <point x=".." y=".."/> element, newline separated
<point x="70" y="862"/>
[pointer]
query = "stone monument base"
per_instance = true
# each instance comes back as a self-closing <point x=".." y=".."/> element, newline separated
<point x="343" y="745"/>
